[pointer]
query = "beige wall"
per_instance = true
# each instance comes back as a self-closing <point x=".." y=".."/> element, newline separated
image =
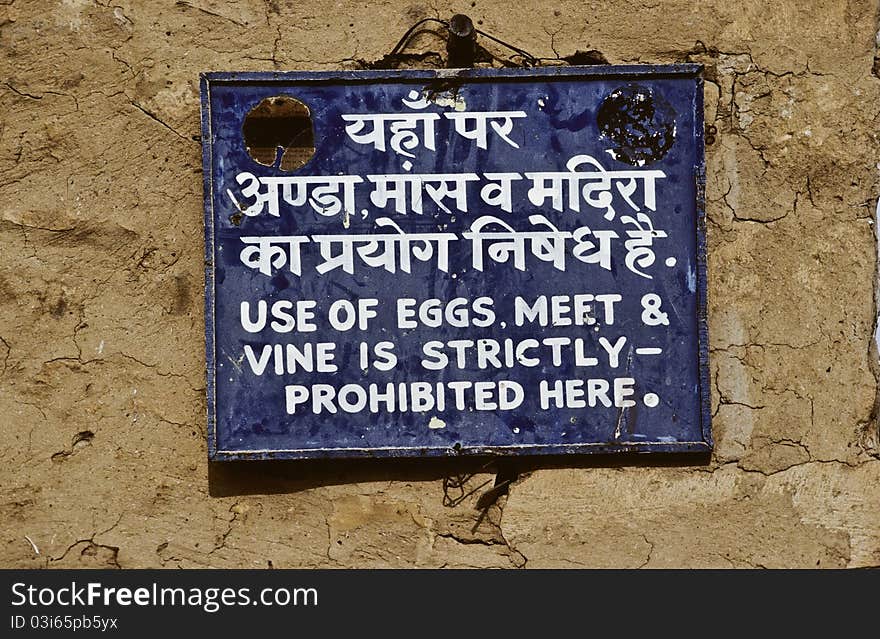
<point x="102" y="453"/>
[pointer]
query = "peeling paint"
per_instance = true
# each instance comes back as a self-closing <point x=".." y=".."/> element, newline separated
<point x="449" y="99"/>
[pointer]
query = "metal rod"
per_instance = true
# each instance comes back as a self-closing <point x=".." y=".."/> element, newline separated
<point x="461" y="47"/>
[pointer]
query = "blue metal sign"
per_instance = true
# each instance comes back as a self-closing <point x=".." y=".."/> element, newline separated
<point x="455" y="262"/>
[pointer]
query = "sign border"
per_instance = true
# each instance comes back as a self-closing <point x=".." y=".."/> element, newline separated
<point x="689" y="70"/>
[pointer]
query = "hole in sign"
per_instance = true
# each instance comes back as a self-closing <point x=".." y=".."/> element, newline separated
<point x="639" y="124"/>
<point x="279" y="123"/>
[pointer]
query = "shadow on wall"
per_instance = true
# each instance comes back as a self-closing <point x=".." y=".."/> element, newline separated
<point x="233" y="478"/>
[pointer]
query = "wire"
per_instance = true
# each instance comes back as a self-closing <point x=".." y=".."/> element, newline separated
<point x="529" y="59"/>
<point x="523" y="53"/>
<point x="402" y="43"/>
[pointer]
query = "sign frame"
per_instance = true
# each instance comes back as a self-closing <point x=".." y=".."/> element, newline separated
<point x="285" y="79"/>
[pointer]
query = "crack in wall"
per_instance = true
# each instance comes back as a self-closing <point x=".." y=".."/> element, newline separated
<point x="872" y="439"/>
<point x="235" y="510"/>
<point x="875" y="69"/>
<point x="156" y="118"/>
<point x="650" y="551"/>
<point x="6" y="356"/>
<point x="91" y="547"/>
<point x="214" y="14"/>
<point x="516" y="558"/>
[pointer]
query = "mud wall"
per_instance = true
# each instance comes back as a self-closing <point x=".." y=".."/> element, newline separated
<point x="102" y="414"/>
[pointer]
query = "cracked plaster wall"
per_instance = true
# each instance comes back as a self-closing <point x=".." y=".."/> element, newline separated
<point x="102" y="455"/>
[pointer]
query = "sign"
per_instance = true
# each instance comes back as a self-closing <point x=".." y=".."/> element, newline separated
<point x="416" y="263"/>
